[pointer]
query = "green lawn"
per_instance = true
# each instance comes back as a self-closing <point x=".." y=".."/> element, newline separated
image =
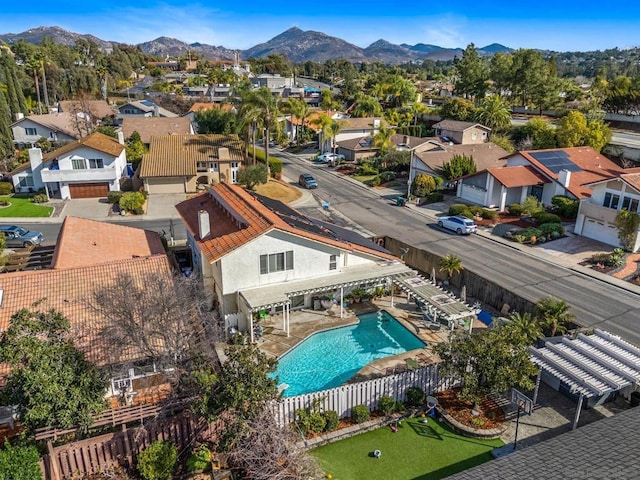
<point x="363" y="178"/>
<point x="23" y="207"/>
<point x="417" y="451"/>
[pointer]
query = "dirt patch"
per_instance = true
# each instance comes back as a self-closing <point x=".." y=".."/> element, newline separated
<point x="503" y="219"/>
<point x="490" y="414"/>
<point x="278" y="190"/>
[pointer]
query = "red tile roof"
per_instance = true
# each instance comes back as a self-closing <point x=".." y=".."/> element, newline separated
<point x="632" y="179"/>
<point x="84" y="242"/>
<point x="228" y="205"/>
<point x="517" y="176"/>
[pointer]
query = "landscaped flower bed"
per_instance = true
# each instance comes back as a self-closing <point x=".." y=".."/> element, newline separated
<point x="489" y="414"/>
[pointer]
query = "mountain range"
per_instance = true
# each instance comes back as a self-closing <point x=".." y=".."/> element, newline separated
<point x="295" y="44"/>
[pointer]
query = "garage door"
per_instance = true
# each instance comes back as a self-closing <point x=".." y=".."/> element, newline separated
<point x="88" y="190"/>
<point x="165" y="185"/>
<point x="601" y="231"/>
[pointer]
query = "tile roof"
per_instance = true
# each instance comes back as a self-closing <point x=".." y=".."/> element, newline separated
<point x="603" y="449"/>
<point x="457" y="125"/>
<point x="595" y="167"/>
<point x="360" y="123"/>
<point x="89" y="242"/>
<point x="58" y="122"/>
<point x="69" y="290"/>
<point x="226" y="107"/>
<point x="98" y="108"/>
<point x="485" y="155"/>
<point x="177" y="155"/>
<point x="149" y="126"/>
<point x="518" y="176"/>
<point x="632" y="179"/>
<point x="229" y="206"/>
<point x="97" y="141"/>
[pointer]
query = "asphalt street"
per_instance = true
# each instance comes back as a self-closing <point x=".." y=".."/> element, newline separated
<point x="595" y="303"/>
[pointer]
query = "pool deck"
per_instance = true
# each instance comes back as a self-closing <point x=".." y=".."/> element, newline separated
<point x="306" y="322"/>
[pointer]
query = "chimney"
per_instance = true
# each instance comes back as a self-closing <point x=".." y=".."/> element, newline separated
<point x="406" y="140"/>
<point x="564" y="177"/>
<point x="156" y="111"/>
<point x="223" y="153"/>
<point x="204" y="227"/>
<point x="121" y="137"/>
<point x="19" y="116"/>
<point x="35" y="158"/>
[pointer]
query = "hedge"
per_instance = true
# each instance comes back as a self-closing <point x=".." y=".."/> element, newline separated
<point x="515" y="209"/>
<point x="545" y="217"/>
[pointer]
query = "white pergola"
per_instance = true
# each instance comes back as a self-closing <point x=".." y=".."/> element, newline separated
<point x="591" y="365"/>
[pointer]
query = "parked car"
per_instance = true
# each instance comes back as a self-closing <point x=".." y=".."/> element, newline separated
<point x="307" y="181"/>
<point x="15" y="236"/>
<point x="325" y="157"/>
<point x="459" y="224"/>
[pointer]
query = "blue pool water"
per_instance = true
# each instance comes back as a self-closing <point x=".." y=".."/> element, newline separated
<point x="328" y="359"/>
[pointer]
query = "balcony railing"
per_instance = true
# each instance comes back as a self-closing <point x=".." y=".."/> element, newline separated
<point x="85" y="175"/>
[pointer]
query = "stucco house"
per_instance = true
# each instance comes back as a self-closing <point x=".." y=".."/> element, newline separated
<point x="462" y="133"/>
<point x="597" y="213"/>
<point x="539" y="173"/>
<point x="149" y="126"/>
<point x="58" y="128"/>
<point x="144" y="108"/>
<point x="87" y="168"/>
<point x="351" y="128"/>
<point x="179" y="163"/>
<point x="356" y="149"/>
<point x="254" y="254"/>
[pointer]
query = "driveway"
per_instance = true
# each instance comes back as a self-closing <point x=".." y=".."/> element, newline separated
<point x="91" y="208"/>
<point x="163" y="205"/>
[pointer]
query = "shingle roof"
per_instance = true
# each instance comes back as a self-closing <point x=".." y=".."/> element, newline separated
<point x="366" y="142"/>
<point x="457" y="125"/>
<point x="237" y="217"/>
<point x="68" y="290"/>
<point x="84" y="242"/>
<point x="360" y="123"/>
<point x="58" y="122"/>
<point x="485" y="155"/>
<point x="97" y="141"/>
<point x="517" y="176"/>
<point x="595" y="167"/>
<point x="177" y="155"/>
<point x="98" y="108"/>
<point x="148" y="106"/>
<point x="149" y="126"/>
<point x="603" y="449"/>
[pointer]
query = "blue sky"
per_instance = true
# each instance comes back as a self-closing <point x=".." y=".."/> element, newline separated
<point x="561" y="25"/>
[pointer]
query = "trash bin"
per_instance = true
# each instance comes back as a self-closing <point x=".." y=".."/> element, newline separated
<point x="401" y="201"/>
<point x="635" y="399"/>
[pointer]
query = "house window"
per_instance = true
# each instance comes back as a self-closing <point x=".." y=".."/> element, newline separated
<point x="96" y="163"/>
<point x="630" y="204"/>
<point x="276" y="262"/>
<point x="333" y="262"/>
<point x="611" y="200"/>
<point x="77" y="163"/>
<point x="30" y="131"/>
<point x="201" y="167"/>
<point x="474" y="135"/>
<point x="26" y="181"/>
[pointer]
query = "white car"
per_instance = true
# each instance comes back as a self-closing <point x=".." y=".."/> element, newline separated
<point x="459" y="224"/>
<point x="325" y="157"/>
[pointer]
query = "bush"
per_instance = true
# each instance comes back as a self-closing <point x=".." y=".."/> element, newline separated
<point x="366" y="169"/>
<point x="360" y="414"/>
<point x="387" y="176"/>
<point x="332" y="420"/>
<point x="415" y="396"/>
<point x="551" y="228"/>
<point x="132" y="201"/>
<point x="515" y="209"/>
<point x="157" y="461"/>
<point x="373" y="182"/>
<point x="434" y="197"/>
<point x="565" y="206"/>
<point x="302" y="421"/>
<point x="488" y="214"/>
<point x="200" y="459"/>
<point x="19" y="462"/>
<point x="275" y="164"/>
<point x="6" y="188"/>
<point x="544" y="217"/>
<point x="386" y="405"/>
<point x="458" y="209"/>
<point x="40" y="198"/>
<point x="114" y="197"/>
<point x="317" y="422"/>
<point x="532" y="205"/>
<point x="422" y="185"/>
<point x="476" y="210"/>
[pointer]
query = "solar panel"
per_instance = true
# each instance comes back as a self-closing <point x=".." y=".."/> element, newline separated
<point x="556" y="160"/>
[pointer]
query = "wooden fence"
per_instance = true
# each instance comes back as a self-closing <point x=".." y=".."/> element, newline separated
<point x="342" y="399"/>
<point x="99" y="454"/>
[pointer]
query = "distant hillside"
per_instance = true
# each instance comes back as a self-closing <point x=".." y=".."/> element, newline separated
<point x="171" y="47"/>
<point x="57" y="34"/>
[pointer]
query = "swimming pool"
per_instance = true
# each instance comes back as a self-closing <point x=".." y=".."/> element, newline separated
<point x="328" y="359"/>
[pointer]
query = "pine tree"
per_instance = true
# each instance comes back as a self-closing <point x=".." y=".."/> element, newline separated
<point x="6" y="139"/>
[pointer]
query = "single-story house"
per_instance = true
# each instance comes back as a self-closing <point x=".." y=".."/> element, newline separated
<point x="179" y="163"/>
<point x="292" y="123"/>
<point x="539" y="173"/>
<point x="462" y="133"/>
<point x="89" y="167"/>
<point x="597" y="213"/>
<point x="355" y="149"/>
<point x="149" y="126"/>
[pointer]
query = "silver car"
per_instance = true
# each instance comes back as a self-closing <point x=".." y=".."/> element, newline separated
<point x="15" y="236"/>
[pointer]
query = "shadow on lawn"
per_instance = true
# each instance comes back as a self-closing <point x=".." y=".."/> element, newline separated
<point x="439" y="431"/>
<point x="455" y="468"/>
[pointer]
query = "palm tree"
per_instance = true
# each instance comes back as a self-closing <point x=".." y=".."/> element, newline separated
<point x="450" y="264"/>
<point x="299" y="109"/>
<point x="34" y="65"/>
<point x="262" y="102"/>
<point x="382" y="141"/>
<point x="494" y="112"/>
<point x="525" y="325"/>
<point x="554" y="315"/>
<point x="331" y="132"/>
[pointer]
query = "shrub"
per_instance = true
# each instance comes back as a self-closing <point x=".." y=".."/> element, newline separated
<point x="544" y="217"/>
<point x="332" y="420"/>
<point x="387" y="176"/>
<point x="156" y="462"/>
<point x="530" y="232"/>
<point x="199" y="459"/>
<point x="40" y="198"/>
<point x="366" y="169"/>
<point x="476" y="210"/>
<point x="360" y="414"/>
<point x="302" y="421"/>
<point x="532" y="205"/>
<point x="19" y="462"/>
<point x="386" y="405"/>
<point x="422" y="185"/>
<point x="435" y="197"/>
<point x="477" y="422"/>
<point x="565" y="206"/>
<point x="488" y="214"/>
<point x="415" y="396"/>
<point x="515" y="209"/>
<point x="317" y="422"/>
<point x="275" y="164"/>
<point x="458" y="208"/>
<point x="373" y="182"/>
<point x="6" y="188"/>
<point x="132" y="201"/>
<point x="550" y="228"/>
<point x="114" y="197"/>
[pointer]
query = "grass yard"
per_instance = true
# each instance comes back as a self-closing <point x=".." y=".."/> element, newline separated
<point x="23" y="207"/>
<point x="279" y="191"/>
<point x="418" y="451"/>
<point x="363" y="178"/>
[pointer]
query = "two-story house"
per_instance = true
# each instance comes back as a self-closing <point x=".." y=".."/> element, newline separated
<point x="87" y="168"/>
<point x="145" y="108"/>
<point x="58" y="128"/>
<point x="463" y="133"/>
<point x="254" y="253"/>
<point x="351" y="128"/>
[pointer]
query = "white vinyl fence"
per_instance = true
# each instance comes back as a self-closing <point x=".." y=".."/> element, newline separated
<point x="342" y="399"/>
